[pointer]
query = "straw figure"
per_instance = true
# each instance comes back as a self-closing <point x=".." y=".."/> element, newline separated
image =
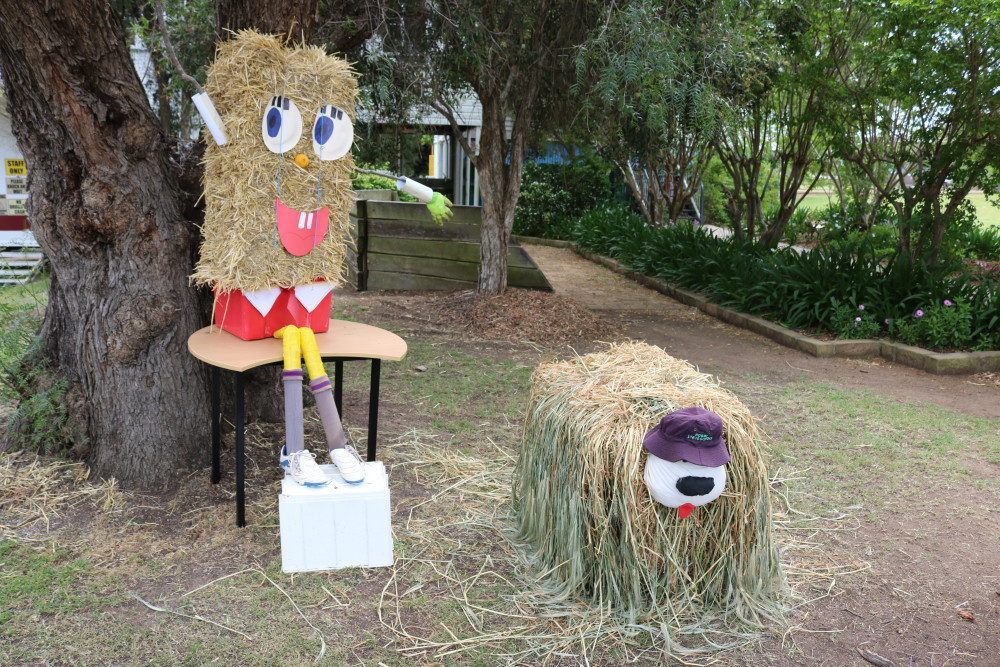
<point x="271" y="174"/>
<point x="596" y="532"/>
<point x="277" y="196"/>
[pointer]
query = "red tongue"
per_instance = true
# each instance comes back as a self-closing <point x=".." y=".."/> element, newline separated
<point x="300" y="240"/>
<point x="685" y="509"/>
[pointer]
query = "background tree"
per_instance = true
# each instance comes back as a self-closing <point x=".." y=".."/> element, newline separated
<point x="918" y="109"/>
<point x="516" y="59"/>
<point x="650" y="82"/>
<point x="772" y="143"/>
<point x="191" y="32"/>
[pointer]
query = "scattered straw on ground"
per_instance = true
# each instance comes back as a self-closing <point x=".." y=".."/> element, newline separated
<point x="35" y="491"/>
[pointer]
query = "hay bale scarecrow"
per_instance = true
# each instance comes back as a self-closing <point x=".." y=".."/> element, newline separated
<point x="277" y="198"/>
<point x="584" y="488"/>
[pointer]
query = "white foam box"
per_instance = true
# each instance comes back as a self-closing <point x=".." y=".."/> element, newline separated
<point x="339" y="525"/>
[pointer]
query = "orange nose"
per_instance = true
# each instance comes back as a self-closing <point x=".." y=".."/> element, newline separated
<point x="302" y="160"/>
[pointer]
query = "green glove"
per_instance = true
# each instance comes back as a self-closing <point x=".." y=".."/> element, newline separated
<point x="440" y="208"/>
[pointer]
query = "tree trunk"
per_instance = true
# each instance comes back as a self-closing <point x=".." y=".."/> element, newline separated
<point x="294" y="18"/>
<point x="501" y="185"/>
<point x="163" y="99"/>
<point x="106" y="208"/>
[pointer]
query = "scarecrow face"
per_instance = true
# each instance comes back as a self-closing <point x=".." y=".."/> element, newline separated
<point x="683" y="485"/>
<point x="277" y="193"/>
<point x="687" y="456"/>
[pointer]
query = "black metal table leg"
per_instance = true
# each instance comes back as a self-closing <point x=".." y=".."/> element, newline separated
<point x="338" y="387"/>
<point x="216" y="427"/>
<point x="240" y="455"/>
<point x="373" y="408"/>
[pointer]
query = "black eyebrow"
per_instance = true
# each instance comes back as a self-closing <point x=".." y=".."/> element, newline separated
<point x="274" y="101"/>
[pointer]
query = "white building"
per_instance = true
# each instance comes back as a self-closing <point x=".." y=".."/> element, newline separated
<point x="13" y="186"/>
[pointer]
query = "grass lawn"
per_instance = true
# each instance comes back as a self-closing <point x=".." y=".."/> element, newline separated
<point x="989" y="214"/>
<point x="33" y="294"/>
<point x="90" y="574"/>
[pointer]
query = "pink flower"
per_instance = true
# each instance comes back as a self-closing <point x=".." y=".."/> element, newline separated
<point x="947" y="302"/>
<point x="857" y="319"/>
<point x="887" y="320"/>
<point x="861" y="307"/>
<point x="920" y="313"/>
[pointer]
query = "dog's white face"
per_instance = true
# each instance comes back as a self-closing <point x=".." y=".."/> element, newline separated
<point x="679" y="483"/>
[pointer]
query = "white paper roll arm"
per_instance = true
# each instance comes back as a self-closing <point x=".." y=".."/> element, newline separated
<point x="438" y="205"/>
<point x="211" y="117"/>
<point x="411" y="187"/>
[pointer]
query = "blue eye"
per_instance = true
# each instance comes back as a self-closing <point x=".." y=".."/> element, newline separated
<point x="281" y="124"/>
<point x="333" y="133"/>
<point x="273" y="122"/>
<point x="323" y="130"/>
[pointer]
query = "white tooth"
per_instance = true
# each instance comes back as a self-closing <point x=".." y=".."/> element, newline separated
<point x="309" y="221"/>
<point x="302" y="220"/>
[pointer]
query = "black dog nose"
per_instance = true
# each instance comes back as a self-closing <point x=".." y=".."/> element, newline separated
<point x="695" y="486"/>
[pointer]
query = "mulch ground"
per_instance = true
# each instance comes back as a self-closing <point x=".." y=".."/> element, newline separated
<point x="516" y="316"/>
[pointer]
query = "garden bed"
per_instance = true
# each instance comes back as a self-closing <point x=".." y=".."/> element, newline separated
<point x="938" y="363"/>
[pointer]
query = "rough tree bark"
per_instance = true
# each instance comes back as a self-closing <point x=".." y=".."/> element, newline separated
<point x="294" y="18"/>
<point x="106" y="209"/>
<point x="500" y="183"/>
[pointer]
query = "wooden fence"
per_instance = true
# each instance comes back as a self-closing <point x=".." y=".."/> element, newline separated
<point x="399" y="247"/>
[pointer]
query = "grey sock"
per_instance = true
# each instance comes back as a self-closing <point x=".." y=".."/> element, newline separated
<point x="335" y="437"/>
<point x="294" y="433"/>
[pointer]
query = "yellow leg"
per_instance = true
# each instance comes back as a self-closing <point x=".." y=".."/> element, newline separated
<point x="319" y="384"/>
<point x="310" y="352"/>
<point x="292" y="381"/>
<point x="291" y="347"/>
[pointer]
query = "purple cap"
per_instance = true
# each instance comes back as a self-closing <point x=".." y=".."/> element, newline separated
<point x="690" y="434"/>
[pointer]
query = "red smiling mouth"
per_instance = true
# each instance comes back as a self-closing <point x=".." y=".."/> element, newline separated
<point x="300" y="231"/>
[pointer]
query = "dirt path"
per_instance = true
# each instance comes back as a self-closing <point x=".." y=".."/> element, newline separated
<point x="724" y="350"/>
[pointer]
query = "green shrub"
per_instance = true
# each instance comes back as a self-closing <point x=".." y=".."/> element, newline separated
<point x="959" y="235"/>
<point x="983" y="243"/>
<point x="552" y="194"/>
<point x="804" y="290"/>
<point x="942" y="325"/>
<point x="855" y="323"/>
<point x="800" y="226"/>
<point x="843" y="231"/>
<point x="41" y="420"/>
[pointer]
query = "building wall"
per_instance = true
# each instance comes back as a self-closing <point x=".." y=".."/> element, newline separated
<point x="13" y="186"/>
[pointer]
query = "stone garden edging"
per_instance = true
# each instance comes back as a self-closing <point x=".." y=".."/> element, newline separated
<point x="937" y="363"/>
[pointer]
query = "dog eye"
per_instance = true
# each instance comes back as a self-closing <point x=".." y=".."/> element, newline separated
<point x="281" y="126"/>
<point x="333" y="133"/>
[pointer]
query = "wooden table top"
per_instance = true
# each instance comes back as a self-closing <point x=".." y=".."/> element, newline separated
<point x="343" y="339"/>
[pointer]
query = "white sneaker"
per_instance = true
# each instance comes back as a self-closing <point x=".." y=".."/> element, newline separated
<point x="302" y="466"/>
<point x="349" y="463"/>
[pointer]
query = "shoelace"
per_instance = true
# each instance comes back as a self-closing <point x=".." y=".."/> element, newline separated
<point x="297" y="458"/>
